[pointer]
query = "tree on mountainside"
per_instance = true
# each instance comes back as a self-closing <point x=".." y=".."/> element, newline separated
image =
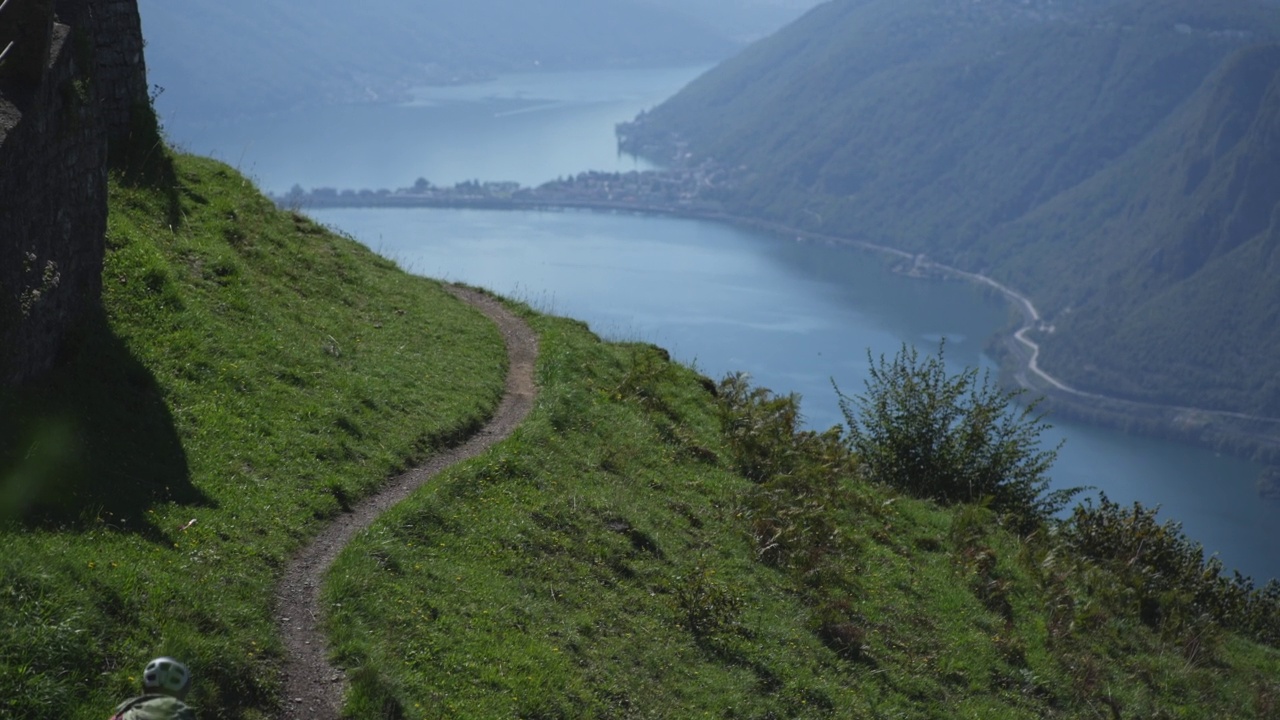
<point x="954" y="438"/>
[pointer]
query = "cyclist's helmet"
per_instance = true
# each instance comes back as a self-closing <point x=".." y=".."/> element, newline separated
<point x="168" y="676"/>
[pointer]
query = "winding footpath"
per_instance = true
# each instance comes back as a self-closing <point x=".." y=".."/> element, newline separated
<point x="314" y="689"/>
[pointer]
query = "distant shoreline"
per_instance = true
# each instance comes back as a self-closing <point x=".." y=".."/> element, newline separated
<point x="1251" y="436"/>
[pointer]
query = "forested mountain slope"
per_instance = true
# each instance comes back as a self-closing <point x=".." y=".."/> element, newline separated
<point x="1113" y="159"/>
<point x="244" y="56"/>
<point x="1182" y="284"/>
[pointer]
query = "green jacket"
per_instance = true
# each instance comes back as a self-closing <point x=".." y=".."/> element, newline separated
<point x="153" y="707"/>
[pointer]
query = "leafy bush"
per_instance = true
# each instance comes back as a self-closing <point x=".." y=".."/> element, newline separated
<point x="1165" y="576"/>
<point x="760" y="428"/>
<point x="953" y="438"/>
<point x="800" y="475"/>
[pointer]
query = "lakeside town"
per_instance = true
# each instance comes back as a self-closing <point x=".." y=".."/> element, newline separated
<point x="683" y="190"/>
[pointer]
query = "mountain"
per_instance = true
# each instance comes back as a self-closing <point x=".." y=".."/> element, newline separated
<point x="1182" y="289"/>
<point x="1115" y="160"/>
<point x="743" y="20"/>
<point x="245" y="56"/>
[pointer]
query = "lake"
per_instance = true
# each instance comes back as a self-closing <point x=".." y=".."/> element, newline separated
<point x="796" y="316"/>
<point x="528" y="128"/>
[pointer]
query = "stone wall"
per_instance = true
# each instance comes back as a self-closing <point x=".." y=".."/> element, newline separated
<point x="57" y="118"/>
<point x="53" y="211"/>
<point x="115" y="28"/>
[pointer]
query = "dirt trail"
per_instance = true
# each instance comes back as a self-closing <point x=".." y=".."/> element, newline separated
<point x="314" y="689"/>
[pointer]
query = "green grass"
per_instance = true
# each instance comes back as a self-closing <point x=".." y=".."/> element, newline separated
<point x="592" y="566"/>
<point x="639" y="548"/>
<point x="608" y="562"/>
<point x="252" y="372"/>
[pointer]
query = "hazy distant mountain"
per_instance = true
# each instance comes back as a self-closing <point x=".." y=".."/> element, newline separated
<point x="254" y="55"/>
<point x="1182" y="287"/>
<point x="743" y="20"/>
<point x="1118" y="160"/>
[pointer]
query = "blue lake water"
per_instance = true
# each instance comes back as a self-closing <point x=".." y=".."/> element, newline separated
<point x="795" y="316"/>
<point x="529" y="128"/>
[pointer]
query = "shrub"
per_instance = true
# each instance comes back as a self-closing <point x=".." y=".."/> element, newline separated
<point x="800" y="476"/>
<point x="1171" y="583"/>
<point x="953" y="438"/>
<point x="760" y="428"/>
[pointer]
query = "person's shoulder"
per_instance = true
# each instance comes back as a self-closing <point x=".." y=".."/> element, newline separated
<point x="155" y="707"/>
<point x="132" y="702"/>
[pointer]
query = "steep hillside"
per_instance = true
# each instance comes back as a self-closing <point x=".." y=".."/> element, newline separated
<point x="1023" y="140"/>
<point x="648" y="544"/>
<point x="1182" y="288"/>
<point x="255" y="56"/>
<point x="251" y="374"/>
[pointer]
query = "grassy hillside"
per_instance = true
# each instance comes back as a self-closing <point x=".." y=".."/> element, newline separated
<point x="642" y="549"/>
<point x="253" y="373"/>
<point x="649" y="544"/>
<point x="1112" y="160"/>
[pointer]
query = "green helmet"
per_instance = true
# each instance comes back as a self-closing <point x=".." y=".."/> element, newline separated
<point x="168" y="676"/>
